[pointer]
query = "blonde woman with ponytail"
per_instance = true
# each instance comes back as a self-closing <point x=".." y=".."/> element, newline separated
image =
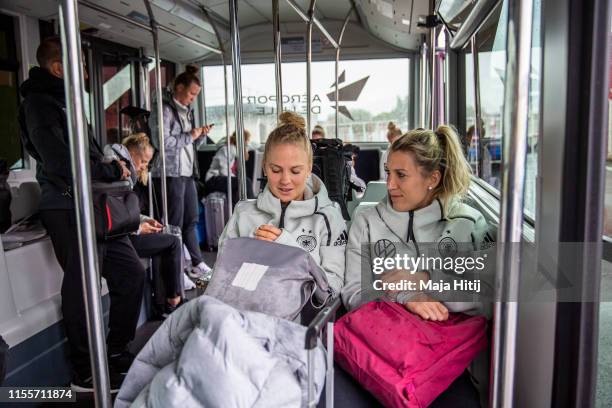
<point x="136" y="152"/>
<point x="294" y="208"/>
<point x="427" y="177"/>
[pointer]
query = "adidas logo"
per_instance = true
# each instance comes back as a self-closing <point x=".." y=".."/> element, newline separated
<point x="341" y="239"/>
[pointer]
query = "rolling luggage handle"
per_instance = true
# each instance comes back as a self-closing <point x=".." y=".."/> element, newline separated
<point x="324" y="317"/>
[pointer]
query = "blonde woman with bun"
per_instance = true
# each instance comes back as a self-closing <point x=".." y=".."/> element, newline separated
<point x="181" y="141"/>
<point x="294" y="208"/>
<point x="427" y="177"/>
<point x="393" y="133"/>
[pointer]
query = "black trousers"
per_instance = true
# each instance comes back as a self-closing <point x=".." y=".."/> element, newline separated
<point x="182" y="210"/>
<point x="124" y="275"/>
<point x="219" y="184"/>
<point x="166" y="252"/>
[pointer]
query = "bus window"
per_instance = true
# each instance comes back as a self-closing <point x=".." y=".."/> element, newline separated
<point x="367" y="100"/>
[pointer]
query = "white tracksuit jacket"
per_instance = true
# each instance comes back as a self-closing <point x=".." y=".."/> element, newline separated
<point x="313" y="224"/>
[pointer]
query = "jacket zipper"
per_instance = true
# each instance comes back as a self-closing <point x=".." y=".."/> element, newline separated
<point x="281" y="223"/>
<point x="411" y="233"/>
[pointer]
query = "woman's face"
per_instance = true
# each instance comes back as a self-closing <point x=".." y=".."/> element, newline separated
<point x="408" y="188"/>
<point x="287" y="168"/>
<point x="141" y="159"/>
<point x="186" y="94"/>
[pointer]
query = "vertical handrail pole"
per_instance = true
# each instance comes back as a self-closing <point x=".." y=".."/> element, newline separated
<point x="515" y="120"/>
<point x="477" y="112"/>
<point x="439" y="61"/>
<point x="160" y="111"/>
<point x="235" y="37"/>
<point x="230" y="192"/>
<point x="423" y="86"/>
<point x="277" y="58"/>
<point x="79" y="152"/>
<point x="337" y="90"/>
<point x="145" y="90"/>
<point x="202" y="98"/>
<point x="433" y="99"/>
<point x="309" y="65"/>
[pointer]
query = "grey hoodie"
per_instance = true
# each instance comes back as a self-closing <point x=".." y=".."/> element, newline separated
<point x="381" y="231"/>
<point x="313" y="224"/>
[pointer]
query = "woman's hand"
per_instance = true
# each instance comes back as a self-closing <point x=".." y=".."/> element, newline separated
<point x="206" y="129"/>
<point x="267" y="232"/>
<point x="150" y="226"/>
<point x="427" y="308"/>
<point x="196" y="133"/>
<point x="125" y="172"/>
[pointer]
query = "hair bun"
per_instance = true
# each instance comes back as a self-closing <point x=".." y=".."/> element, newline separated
<point x="191" y="69"/>
<point x="391" y="126"/>
<point x="293" y="119"/>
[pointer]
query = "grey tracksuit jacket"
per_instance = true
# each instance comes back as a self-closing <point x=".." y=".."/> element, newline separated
<point x="313" y="224"/>
<point x="381" y="231"/>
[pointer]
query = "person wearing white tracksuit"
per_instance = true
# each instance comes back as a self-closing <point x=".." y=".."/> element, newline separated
<point x="294" y="208"/>
<point x="422" y="215"/>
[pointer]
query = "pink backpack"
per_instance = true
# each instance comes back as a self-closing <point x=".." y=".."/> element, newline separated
<point x="402" y="360"/>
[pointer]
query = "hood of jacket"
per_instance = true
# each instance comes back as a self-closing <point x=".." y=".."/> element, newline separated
<point x="40" y="81"/>
<point x="120" y="152"/>
<point x="315" y="199"/>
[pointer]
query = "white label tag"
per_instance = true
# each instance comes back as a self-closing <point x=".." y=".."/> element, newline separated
<point x="249" y="275"/>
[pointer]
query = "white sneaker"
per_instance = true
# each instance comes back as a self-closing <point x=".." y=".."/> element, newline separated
<point x="200" y="271"/>
<point x="188" y="283"/>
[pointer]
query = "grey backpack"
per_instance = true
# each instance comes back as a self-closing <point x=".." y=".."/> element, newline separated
<point x="261" y="276"/>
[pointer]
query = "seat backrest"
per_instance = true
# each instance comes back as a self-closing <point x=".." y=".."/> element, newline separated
<point x="375" y="191"/>
<point x="25" y="200"/>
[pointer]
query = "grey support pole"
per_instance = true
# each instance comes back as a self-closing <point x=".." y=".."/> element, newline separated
<point x="423" y="86"/>
<point x="79" y="152"/>
<point x="337" y="90"/>
<point x="478" y="131"/>
<point x="309" y="65"/>
<point x="277" y="58"/>
<point x="145" y="88"/>
<point x="160" y="112"/>
<point x="227" y="132"/>
<point x="516" y="104"/>
<point x="235" y="37"/>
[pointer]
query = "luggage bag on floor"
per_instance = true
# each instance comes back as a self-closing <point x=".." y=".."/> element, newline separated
<point x="215" y="217"/>
<point x="402" y="360"/>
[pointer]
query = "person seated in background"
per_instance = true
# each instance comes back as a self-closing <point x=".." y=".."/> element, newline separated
<point x="136" y="152"/>
<point x="356" y="183"/>
<point x="318" y="133"/>
<point x="294" y="208"/>
<point x="393" y="133"/>
<point x="427" y="177"/>
<point x="217" y="174"/>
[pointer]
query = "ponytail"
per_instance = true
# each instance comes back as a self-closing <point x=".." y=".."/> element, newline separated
<point x="439" y="150"/>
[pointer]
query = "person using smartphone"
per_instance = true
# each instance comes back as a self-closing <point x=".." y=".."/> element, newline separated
<point x="181" y="141"/>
